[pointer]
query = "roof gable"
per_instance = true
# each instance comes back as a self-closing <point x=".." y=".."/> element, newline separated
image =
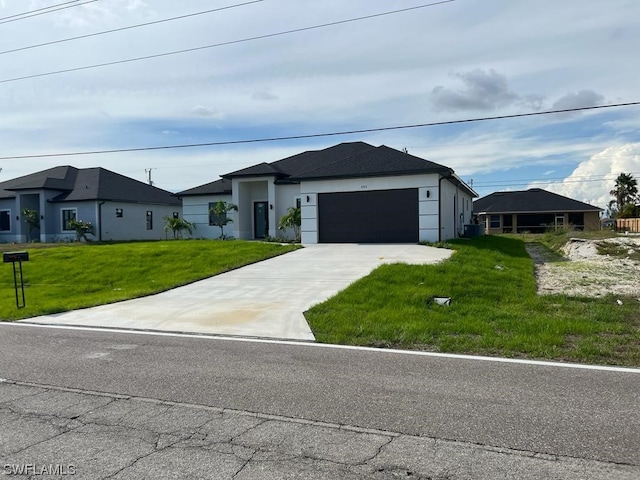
<point x="532" y="200"/>
<point x="219" y="187"/>
<point x="258" y="170"/>
<point x="57" y="178"/>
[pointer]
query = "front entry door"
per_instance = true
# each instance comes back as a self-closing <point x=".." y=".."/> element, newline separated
<point x="260" y="219"/>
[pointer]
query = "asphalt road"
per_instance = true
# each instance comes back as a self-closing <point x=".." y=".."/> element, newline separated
<point x="580" y="413"/>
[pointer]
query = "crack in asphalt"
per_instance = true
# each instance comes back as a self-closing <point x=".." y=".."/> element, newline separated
<point x="195" y="435"/>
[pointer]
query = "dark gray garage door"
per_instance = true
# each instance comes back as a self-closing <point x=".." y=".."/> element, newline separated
<point x="381" y="216"/>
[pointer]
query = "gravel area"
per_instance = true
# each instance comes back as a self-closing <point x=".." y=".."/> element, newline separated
<point x="584" y="272"/>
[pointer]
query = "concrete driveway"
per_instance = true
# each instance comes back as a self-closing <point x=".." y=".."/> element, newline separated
<point x="266" y="299"/>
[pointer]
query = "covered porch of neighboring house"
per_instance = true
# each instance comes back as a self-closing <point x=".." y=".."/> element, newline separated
<point x="538" y="222"/>
<point x="255" y="198"/>
<point x="28" y="227"/>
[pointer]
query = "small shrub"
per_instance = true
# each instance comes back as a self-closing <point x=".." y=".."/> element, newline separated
<point x="81" y="228"/>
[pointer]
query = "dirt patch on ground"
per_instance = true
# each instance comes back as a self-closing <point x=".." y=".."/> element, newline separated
<point x="583" y="271"/>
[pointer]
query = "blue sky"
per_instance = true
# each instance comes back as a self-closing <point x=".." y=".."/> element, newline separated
<point x="458" y="60"/>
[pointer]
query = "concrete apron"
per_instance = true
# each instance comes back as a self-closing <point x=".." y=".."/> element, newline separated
<point x="266" y="299"/>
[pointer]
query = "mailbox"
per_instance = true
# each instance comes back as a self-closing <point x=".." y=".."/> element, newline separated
<point x="10" y="257"/>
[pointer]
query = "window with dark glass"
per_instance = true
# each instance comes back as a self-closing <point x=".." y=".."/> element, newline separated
<point x="68" y="214"/>
<point x="149" y="220"/>
<point x="119" y="212"/>
<point x="5" y="220"/>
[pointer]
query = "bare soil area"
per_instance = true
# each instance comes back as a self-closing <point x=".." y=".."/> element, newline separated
<point x="591" y="268"/>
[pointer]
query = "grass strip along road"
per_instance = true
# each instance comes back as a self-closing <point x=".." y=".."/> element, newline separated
<point x="494" y="310"/>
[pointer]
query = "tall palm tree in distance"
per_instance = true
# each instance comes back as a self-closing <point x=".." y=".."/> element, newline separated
<point x="625" y="192"/>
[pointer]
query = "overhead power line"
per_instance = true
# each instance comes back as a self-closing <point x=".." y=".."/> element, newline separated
<point x="327" y="134"/>
<point x="38" y="10"/>
<point x="519" y="183"/>
<point x="231" y="42"/>
<point x="155" y="22"/>
<point x="49" y="9"/>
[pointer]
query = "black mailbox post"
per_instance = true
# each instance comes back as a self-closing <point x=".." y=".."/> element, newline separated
<point x="13" y="257"/>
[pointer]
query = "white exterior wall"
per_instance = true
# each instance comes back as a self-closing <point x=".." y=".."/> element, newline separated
<point x="195" y="209"/>
<point x="285" y="198"/>
<point x="427" y="208"/>
<point x="456" y="210"/>
<point x="133" y="223"/>
<point x="245" y="193"/>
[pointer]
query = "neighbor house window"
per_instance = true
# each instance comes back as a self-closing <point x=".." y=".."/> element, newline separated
<point x="298" y="203"/>
<point x="119" y="213"/>
<point x="68" y="214"/>
<point x="494" y="221"/>
<point x="176" y="215"/>
<point x="5" y="220"/>
<point x="149" y="220"/>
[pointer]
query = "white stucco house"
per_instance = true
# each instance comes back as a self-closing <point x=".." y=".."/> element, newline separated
<point x="348" y="193"/>
<point x="198" y="201"/>
<point x="119" y="207"/>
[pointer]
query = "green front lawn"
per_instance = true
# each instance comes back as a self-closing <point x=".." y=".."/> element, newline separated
<point x="70" y="276"/>
<point x="494" y="310"/>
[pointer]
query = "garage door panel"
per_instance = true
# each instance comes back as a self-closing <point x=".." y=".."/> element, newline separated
<point x="382" y="216"/>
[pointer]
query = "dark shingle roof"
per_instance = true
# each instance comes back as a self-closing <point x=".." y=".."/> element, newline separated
<point x="355" y="159"/>
<point x="89" y="184"/>
<point x="57" y="178"/>
<point x="213" y="188"/>
<point x="375" y="161"/>
<point x="254" y="171"/>
<point x="532" y="200"/>
<point x="345" y="160"/>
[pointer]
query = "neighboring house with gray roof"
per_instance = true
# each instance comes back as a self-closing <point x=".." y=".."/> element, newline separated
<point x="119" y="207"/>
<point x="535" y="211"/>
<point x="349" y="193"/>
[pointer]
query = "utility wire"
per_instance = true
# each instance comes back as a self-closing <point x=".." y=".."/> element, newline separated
<point x="318" y="135"/>
<point x="38" y="10"/>
<point x="24" y="16"/>
<point x="575" y="178"/>
<point x="231" y="42"/>
<point x="536" y="182"/>
<point x="127" y="28"/>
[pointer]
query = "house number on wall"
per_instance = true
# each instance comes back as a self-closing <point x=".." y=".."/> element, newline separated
<point x="363" y="187"/>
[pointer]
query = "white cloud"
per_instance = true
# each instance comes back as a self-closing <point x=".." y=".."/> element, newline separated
<point x="592" y="179"/>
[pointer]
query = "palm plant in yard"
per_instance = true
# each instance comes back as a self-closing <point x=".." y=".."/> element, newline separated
<point x="219" y="215"/>
<point x="177" y="226"/>
<point x="292" y="220"/>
